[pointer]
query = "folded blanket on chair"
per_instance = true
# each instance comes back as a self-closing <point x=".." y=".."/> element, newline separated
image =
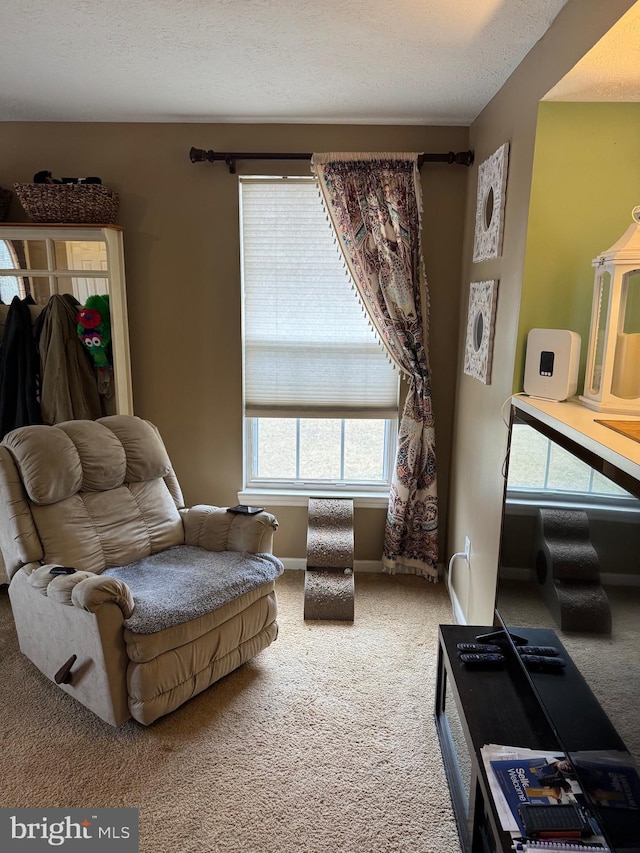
<point x="185" y="582"/>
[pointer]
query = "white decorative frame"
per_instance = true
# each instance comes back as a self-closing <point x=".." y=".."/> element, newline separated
<point x="483" y="297"/>
<point x="492" y="190"/>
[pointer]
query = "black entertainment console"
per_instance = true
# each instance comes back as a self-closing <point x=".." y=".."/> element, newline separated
<point x="550" y="711"/>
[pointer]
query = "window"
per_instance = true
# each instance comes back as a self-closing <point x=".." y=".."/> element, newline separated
<point x="541" y="468"/>
<point x="320" y="394"/>
<point x="9" y="284"/>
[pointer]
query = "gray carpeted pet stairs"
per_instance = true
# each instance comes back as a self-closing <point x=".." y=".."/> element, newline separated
<point x="568" y="571"/>
<point x="328" y="582"/>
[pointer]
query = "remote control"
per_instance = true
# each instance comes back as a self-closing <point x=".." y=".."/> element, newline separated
<point x="478" y="647"/>
<point x="545" y="651"/>
<point x="482" y="659"/>
<point x="62" y="570"/>
<point x="543" y="663"/>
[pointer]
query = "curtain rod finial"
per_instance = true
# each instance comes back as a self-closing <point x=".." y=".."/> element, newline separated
<point x="464" y="158"/>
<point x="199" y="155"/>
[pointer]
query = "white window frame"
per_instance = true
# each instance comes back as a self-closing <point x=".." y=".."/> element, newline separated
<point x="289" y="491"/>
<point x="8" y="253"/>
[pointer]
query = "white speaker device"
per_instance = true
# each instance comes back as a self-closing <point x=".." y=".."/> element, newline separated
<point x="551" y="366"/>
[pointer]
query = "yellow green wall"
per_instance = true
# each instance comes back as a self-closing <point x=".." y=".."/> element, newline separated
<point x="585" y="182"/>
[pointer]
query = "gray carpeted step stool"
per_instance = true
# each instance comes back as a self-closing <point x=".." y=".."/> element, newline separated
<point x="568" y="570"/>
<point x="328" y="581"/>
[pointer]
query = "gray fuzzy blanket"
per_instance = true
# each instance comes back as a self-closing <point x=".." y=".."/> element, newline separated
<point x="185" y="582"/>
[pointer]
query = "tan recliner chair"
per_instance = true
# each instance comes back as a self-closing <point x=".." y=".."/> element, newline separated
<point x="164" y="600"/>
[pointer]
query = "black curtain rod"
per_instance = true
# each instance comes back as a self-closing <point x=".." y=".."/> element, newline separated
<point x="199" y="155"/>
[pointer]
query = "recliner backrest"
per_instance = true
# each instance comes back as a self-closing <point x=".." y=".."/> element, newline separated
<point x="88" y="494"/>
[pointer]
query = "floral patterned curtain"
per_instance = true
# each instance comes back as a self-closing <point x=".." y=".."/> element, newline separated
<point x="375" y="204"/>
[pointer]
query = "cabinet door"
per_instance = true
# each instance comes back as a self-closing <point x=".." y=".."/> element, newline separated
<point x="42" y="260"/>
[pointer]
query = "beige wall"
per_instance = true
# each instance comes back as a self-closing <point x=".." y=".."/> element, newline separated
<point x="182" y="262"/>
<point x="479" y="433"/>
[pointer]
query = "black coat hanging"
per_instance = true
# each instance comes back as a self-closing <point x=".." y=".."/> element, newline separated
<point x="19" y="369"/>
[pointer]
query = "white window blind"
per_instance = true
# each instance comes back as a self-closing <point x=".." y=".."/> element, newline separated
<point x="309" y="350"/>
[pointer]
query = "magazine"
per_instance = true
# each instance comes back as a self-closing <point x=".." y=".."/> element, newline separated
<point x="518" y="775"/>
<point x="538" y="780"/>
<point x="609" y="778"/>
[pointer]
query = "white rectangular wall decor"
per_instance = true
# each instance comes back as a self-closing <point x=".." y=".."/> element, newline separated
<point x="483" y="297"/>
<point x="492" y="189"/>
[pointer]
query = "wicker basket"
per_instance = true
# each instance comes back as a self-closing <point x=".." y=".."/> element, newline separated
<point x="5" y="201"/>
<point x="92" y="203"/>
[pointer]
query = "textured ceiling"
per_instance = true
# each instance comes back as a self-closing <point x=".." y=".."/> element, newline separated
<point x="611" y="69"/>
<point x="362" y="61"/>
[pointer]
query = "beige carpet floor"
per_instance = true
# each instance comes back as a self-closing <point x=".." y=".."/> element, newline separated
<point x="324" y="743"/>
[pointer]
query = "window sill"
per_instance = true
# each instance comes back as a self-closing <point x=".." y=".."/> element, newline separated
<point x="293" y="497"/>
<point x="597" y="506"/>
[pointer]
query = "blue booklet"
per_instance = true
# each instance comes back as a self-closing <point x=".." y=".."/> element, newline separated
<point x="536" y="780"/>
<point x="609" y="779"/>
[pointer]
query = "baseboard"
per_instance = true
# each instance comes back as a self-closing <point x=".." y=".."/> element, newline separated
<point x="300" y="564"/>
<point x="510" y="573"/>
<point x="295" y="563"/>
<point x="458" y="613"/>
<point x="606" y="578"/>
<point x="619" y="579"/>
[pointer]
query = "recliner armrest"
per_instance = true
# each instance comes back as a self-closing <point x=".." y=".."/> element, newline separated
<point x="82" y="589"/>
<point x="215" y="529"/>
<point x="91" y="592"/>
